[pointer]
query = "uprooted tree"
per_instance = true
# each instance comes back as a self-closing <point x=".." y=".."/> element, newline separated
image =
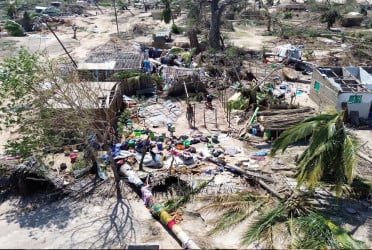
<point x="44" y="102"/>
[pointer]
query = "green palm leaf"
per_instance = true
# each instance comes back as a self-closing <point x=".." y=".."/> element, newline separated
<point x="344" y="238"/>
<point x="349" y="157"/>
<point x="312" y="163"/>
<point x="291" y="136"/>
<point x="300" y="131"/>
<point x="230" y="202"/>
<point x="262" y="224"/>
<point x="314" y="232"/>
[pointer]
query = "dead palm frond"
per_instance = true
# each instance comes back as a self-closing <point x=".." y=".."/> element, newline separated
<point x="235" y="207"/>
<point x="172" y="205"/>
<point x="231" y="202"/>
<point x="262" y="224"/>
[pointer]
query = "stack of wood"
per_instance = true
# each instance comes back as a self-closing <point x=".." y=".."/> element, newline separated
<point x="284" y="118"/>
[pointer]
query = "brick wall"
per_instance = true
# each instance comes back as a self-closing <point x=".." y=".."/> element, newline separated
<point x="327" y="94"/>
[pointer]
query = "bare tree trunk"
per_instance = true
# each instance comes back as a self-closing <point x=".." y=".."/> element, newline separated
<point x="193" y="38"/>
<point x="214" y="32"/>
<point x="116" y="174"/>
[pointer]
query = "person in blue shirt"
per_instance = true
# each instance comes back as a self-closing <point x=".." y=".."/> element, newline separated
<point x="146" y="66"/>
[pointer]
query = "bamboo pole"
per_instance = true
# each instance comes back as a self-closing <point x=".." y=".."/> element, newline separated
<point x="116" y="18"/>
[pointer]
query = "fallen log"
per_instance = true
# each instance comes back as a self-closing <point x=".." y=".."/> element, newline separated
<point x="268" y="188"/>
<point x="284" y="111"/>
<point x="249" y="173"/>
<point x="282" y="169"/>
<point x="259" y="181"/>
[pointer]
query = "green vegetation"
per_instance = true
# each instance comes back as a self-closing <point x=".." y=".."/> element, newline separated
<point x="173" y="204"/>
<point x="176" y="29"/>
<point x="240" y="104"/>
<point x="104" y="4"/>
<point x="288" y="15"/>
<point x="304" y="227"/>
<point x="78" y="165"/>
<point x="331" y="154"/>
<point x="14" y="28"/>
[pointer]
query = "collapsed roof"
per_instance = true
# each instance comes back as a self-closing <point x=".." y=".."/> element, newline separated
<point x="111" y="57"/>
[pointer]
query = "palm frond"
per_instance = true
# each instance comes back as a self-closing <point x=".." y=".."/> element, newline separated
<point x="319" y="137"/>
<point x="322" y="118"/>
<point x="231" y="202"/>
<point x="349" y="157"/>
<point x="312" y="163"/>
<point x="229" y="206"/>
<point x="304" y="129"/>
<point x="291" y="136"/>
<point x="313" y="176"/>
<point x="230" y="219"/>
<point x="173" y="204"/>
<point x="344" y="238"/>
<point x="314" y="233"/>
<point x="262" y="224"/>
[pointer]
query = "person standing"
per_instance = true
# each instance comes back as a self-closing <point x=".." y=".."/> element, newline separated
<point x="146" y="66"/>
<point x="189" y="114"/>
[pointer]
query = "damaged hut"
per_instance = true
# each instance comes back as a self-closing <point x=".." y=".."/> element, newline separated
<point x="104" y="61"/>
<point x="178" y="80"/>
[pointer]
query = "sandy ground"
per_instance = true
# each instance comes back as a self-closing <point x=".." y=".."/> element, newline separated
<point x="102" y="222"/>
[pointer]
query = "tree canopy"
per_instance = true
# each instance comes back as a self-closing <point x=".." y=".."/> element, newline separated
<point x="47" y="105"/>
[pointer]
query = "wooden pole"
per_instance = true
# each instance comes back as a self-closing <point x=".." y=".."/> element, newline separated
<point x="72" y="60"/>
<point x="194" y="115"/>
<point x="187" y="93"/>
<point x="229" y="114"/>
<point x="205" y="125"/>
<point x="215" y="115"/>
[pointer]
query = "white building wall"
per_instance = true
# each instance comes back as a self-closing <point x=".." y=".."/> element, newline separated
<point x="362" y="107"/>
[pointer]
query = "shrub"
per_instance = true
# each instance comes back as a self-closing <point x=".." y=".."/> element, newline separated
<point x="14" y="28"/>
<point x="104" y="4"/>
<point x="288" y="15"/>
<point x="176" y="29"/>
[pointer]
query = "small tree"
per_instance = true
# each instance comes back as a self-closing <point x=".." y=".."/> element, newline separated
<point x="12" y="11"/>
<point x="167" y="12"/>
<point x="46" y="104"/>
<point x="330" y="17"/>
